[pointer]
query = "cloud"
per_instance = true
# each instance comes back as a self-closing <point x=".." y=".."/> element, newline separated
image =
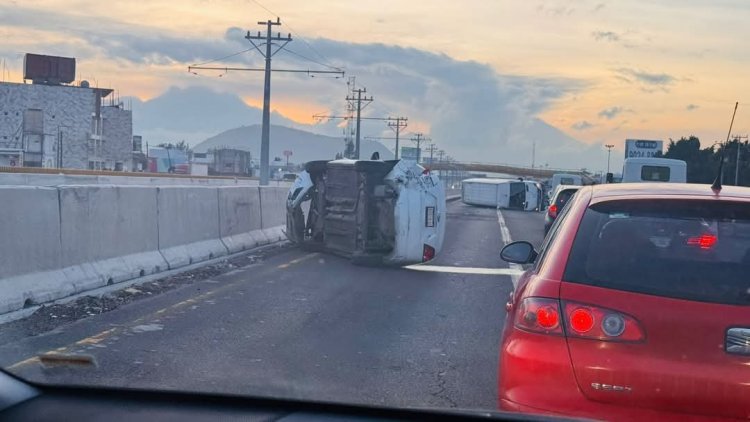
<point x="555" y="10"/>
<point x="611" y="112"/>
<point x="598" y="7"/>
<point x="605" y="36"/>
<point x="658" y="79"/>
<point x="469" y="109"/>
<point x="582" y="125"/>
<point x="649" y="82"/>
<point x="691" y="107"/>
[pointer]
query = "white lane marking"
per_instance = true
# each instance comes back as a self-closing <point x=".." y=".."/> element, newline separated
<point x="464" y="270"/>
<point x="505" y="234"/>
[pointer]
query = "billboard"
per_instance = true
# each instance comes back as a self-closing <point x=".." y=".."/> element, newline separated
<point x="643" y="148"/>
<point x="49" y="69"/>
<point x="409" y="153"/>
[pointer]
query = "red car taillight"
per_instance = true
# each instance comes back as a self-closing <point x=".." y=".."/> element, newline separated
<point x="552" y="210"/>
<point x="704" y="241"/>
<point x="597" y="323"/>
<point x="542" y="315"/>
<point x="428" y="253"/>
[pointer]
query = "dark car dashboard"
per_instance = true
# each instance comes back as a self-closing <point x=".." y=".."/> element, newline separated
<point x="21" y="401"/>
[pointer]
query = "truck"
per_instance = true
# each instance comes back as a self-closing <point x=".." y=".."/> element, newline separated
<point x="565" y="179"/>
<point x="370" y="211"/>
<point x="503" y="193"/>
<point x="640" y="170"/>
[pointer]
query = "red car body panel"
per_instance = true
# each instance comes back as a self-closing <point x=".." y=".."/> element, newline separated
<point x="679" y="371"/>
<point x="680" y="367"/>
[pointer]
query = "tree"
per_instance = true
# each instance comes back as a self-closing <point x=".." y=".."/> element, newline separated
<point x="182" y="146"/>
<point x="701" y="163"/>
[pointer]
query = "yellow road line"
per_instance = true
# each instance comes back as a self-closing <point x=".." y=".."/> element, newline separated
<point x="297" y="261"/>
<point x="97" y="338"/>
<point x="24" y="362"/>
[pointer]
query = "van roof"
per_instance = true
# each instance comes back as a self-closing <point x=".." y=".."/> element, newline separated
<point x="491" y="181"/>
<point x="655" y="160"/>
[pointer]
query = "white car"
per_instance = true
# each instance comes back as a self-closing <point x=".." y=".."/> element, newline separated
<point x="374" y="212"/>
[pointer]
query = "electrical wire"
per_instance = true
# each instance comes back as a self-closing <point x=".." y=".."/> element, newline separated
<point x="309" y="59"/>
<point x="224" y="58"/>
<point x="298" y="34"/>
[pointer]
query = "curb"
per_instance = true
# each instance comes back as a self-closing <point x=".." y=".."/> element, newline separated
<point x="100" y="291"/>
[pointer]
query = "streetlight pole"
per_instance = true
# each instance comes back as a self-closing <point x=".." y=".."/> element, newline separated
<point x="609" y="152"/>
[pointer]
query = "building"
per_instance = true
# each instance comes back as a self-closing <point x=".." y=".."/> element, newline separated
<point x="167" y="160"/>
<point x="48" y="124"/>
<point x="228" y="161"/>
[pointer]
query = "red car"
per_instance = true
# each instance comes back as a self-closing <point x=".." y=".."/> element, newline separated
<point x="637" y="307"/>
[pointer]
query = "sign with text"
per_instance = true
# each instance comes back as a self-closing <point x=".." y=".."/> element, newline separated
<point x="642" y="148"/>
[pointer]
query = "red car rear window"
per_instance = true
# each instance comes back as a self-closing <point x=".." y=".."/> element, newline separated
<point x="685" y="249"/>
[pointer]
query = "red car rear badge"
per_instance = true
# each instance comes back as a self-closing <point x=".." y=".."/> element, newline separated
<point x="610" y="387"/>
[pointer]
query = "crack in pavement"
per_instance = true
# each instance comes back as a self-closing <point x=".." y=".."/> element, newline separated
<point x="442" y="388"/>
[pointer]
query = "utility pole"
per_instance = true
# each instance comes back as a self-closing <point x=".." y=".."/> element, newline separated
<point x="533" y="153"/>
<point x="359" y="100"/>
<point x="737" y="162"/>
<point x="418" y="138"/>
<point x="402" y="124"/>
<point x="397" y="124"/>
<point x="267" y="39"/>
<point x="432" y="148"/>
<point x="609" y="152"/>
<point x="266" y="127"/>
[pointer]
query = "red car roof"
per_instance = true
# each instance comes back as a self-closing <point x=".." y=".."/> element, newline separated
<point x="666" y="189"/>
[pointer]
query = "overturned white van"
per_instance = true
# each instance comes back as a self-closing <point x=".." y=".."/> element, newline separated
<point x="502" y="193"/>
<point x="374" y="212"/>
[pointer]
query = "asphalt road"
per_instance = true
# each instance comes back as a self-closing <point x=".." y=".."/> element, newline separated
<point x="308" y="325"/>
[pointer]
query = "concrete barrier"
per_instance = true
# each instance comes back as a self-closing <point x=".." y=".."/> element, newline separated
<point x="189" y="224"/>
<point x="273" y="212"/>
<point x="239" y="218"/>
<point x="29" y="244"/>
<point x="60" y="241"/>
<point x="109" y="234"/>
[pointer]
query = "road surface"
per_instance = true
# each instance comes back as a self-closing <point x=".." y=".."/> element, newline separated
<point x="296" y="324"/>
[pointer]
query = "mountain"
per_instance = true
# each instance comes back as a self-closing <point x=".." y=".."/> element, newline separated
<point x="305" y="146"/>
<point x="193" y="114"/>
<point x="554" y="148"/>
<point x="197" y="114"/>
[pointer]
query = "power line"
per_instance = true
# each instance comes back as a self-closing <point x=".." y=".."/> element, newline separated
<point x="311" y="60"/>
<point x="265" y="8"/>
<point x="225" y="57"/>
<point x="298" y="34"/>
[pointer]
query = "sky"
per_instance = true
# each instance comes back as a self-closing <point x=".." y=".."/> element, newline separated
<point x="484" y="79"/>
